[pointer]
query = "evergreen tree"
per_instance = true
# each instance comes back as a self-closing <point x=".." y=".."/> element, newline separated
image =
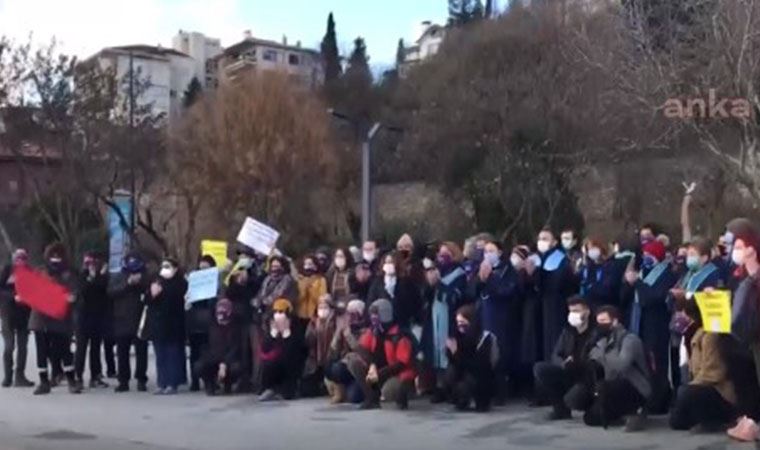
<point x="489" y="9"/>
<point x="192" y="93"/>
<point x="329" y="49"/>
<point x="358" y="63"/>
<point x="462" y="12"/>
<point x="400" y="53"/>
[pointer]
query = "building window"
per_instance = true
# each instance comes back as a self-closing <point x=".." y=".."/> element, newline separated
<point x="294" y="60"/>
<point x="270" y="55"/>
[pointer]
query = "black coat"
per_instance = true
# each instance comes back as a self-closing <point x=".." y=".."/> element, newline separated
<point x="127" y="305"/>
<point x="225" y="343"/>
<point x="166" y="312"/>
<point x="42" y="323"/>
<point x="554" y="288"/>
<point x="13" y="313"/>
<point x="93" y="309"/>
<point x="406" y="300"/>
<point x="198" y="318"/>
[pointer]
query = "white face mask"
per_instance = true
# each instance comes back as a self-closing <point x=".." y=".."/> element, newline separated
<point x="737" y="256"/>
<point x="323" y="313"/>
<point x="492" y="258"/>
<point x="567" y="243"/>
<point x="245" y="262"/>
<point x="280" y="317"/>
<point x="543" y="246"/>
<point x="368" y="256"/>
<point x="340" y="262"/>
<point x="594" y="254"/>
<point x="167" y="273"/>
<point x="575" y="319"/>
<point x="516" y="261"/>
<point x="389" y="269"/>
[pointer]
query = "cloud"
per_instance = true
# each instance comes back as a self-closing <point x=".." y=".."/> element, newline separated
<point x="85" y="26"/>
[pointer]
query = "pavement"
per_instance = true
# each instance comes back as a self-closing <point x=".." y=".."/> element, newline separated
<point x="101" y="419"/>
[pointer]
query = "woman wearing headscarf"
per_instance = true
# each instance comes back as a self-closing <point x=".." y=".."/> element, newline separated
<point x="166" y="326"/>
<point x="15" y="324"/>
<point x="53" y="336"/>
<point x="198" y="323"/>
<point x="319" y="336"/>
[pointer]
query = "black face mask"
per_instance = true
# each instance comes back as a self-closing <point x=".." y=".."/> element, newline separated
<point x="604" y="330"/>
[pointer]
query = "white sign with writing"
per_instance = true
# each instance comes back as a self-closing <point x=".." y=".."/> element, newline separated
<point x="258" y="236"/>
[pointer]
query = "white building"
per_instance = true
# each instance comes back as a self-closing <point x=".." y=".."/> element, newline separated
<point x="427" y="45"/>
<point x="201" y="49"/>
<point x="164" y="73"/>
<point x="301" y="64"/>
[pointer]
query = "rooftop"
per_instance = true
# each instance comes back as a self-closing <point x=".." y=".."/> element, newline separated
<point x="252" y="42"/>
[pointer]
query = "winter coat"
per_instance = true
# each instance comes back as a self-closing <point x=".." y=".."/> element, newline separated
<point x="406" y="299"/>
<point x="345" y="340"/>
<point x="398" y="350"/>
<point x="310" y="289"/>
<point x="242" y="297"/>
<point x="707" y="367"/>
<point x="39" y="322"/>
<point x="225" y="343"/>
<point x="93" y="308"/>
<point x="596" y="285"/>
<point x="128" y="304"/>
<point x="622" y="357"/>
<point x="340" y="283"/>
<point x="289" y="351"/>
<point x="198" y="317"/>
<point x="555" y="283"/>
<point x="319" y="337"/>
<point x="478" y="358"/>
<point x="13" y="313"/>
<point x="166" y="312"/>
<point x="272" y="289"/>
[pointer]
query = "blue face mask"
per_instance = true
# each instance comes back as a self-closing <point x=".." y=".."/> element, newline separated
<point x="492" y="259"/>
<point x="648" y="262"/>
<point x="693" y="263"/>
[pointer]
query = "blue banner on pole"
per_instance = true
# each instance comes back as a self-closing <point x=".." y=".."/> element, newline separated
<point x="118" y="232"/>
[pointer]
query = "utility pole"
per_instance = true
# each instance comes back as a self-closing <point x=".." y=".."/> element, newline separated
<point x="366" y="229"/>
<point x="133" y="181"/>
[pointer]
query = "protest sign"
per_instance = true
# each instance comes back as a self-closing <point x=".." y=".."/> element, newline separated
<point x="258" y="236"/>
<point x="41" y="293"/>
<point x="215" y="249"/>
<point x="202" y="284"/>
<point x="715" y="307"/>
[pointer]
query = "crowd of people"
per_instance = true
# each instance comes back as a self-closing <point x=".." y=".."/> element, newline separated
<point x="609" y="329"/>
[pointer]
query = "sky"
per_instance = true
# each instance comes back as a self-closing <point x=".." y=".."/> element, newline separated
<point x="85" y="26"/>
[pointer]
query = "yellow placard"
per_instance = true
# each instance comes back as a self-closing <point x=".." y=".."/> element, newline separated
<point x="217" y="250"/>
<point x="715" y="307"/>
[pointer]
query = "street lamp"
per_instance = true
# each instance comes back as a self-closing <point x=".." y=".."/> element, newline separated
<point x="366" y="193"/>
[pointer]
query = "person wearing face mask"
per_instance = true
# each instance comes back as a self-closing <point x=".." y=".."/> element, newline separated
<point x="370" y="255"/>
<point x="445" y="289"/>
<point x="570" y="246"/>
<point x="221" y="364"/>
<point x="561" y="380"/>
<point x="277" y="284"/>
<point x="282" y="355"/>
<point x="93" y="311"/>
<point x="530" y="347"/>
<point x="390" y="351"/>
<point x="198" y="320"/>
<point x="340" y="275"/>
<point x="647" y="292"/>
<point x="624" y="249"/>
<point x="555" y="282"/>
<point x="401" y="291"/>
<point x="474" y="355"/>
<point x="165" y="324"/>
<point x="362" y="281"/>
<point x="497" y="291"/>
<point x="409" y="262"/>
<point x="53" y="336"/>
<point x="15" y="324"/>
<point x="319" y="336"/>
<point x="745" y="311"/>
<point x="311" y="287"/>
<point x="322" y="259"/>
<point x="595" y="281"/>
<point x="621" y="374"/>
<point x="344" y="352"/>
<point x="647" y="233"/>
<point x="127" y="291"/>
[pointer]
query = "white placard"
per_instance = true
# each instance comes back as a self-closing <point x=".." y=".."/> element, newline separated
<point x="258" y="236"/>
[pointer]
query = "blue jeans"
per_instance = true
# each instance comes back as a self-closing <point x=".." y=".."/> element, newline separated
<point x="337" y="372"/>
<point x="170" y="364"/>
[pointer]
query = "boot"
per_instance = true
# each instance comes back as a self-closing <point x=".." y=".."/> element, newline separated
<point x="75" y="386"/>
<point x="336" y="391"/>
<point x="44" y="387"/>
<point x="122" y="387"/>
<point x="403" y="397"/>
<point x="195" y="385"/>
<point x="8" y="380"/>
<point x="371" y="398"/>
<point x="22" y="382"/>
<point x="142" y="386"/>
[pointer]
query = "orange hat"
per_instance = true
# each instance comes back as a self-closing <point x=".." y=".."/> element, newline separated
<point x="282" y="305"/>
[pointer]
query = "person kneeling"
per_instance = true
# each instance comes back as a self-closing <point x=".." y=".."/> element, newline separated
<point x="473" y="356"/>
<point x="709" y="400"/>
<point x="222" y="363"/>
<point x="391" y="355"/>
<point x="621" y="374"/>
<point x="282" y="355"/>
<point x="562" y="380"/>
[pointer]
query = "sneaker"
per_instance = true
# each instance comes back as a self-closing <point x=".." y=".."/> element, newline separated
<point x="122" y="387"/>
<point x="746" y="430"/>
<point x="559" y="414"/>
<point x="142" y="386"/>
<point x="42" y="389"/>
<point x="160" y="391"/>
<point x="268" y="396"/>
<point x="635" y="423"/>
<point x="98" y="383"/>
<point x="22" y="382"/>
<point x="170" y="391"/>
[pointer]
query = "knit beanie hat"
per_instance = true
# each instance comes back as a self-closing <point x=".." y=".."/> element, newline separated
<point x="655" y="248"/>
<point x="383" y="308"/>
<point x="356" y="307"/>
<point x="282" y="305"/>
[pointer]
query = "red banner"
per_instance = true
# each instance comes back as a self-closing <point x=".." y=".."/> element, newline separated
<point x="41" y="293"/>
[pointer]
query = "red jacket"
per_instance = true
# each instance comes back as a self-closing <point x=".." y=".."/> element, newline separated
<point x="398" y="351"/>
